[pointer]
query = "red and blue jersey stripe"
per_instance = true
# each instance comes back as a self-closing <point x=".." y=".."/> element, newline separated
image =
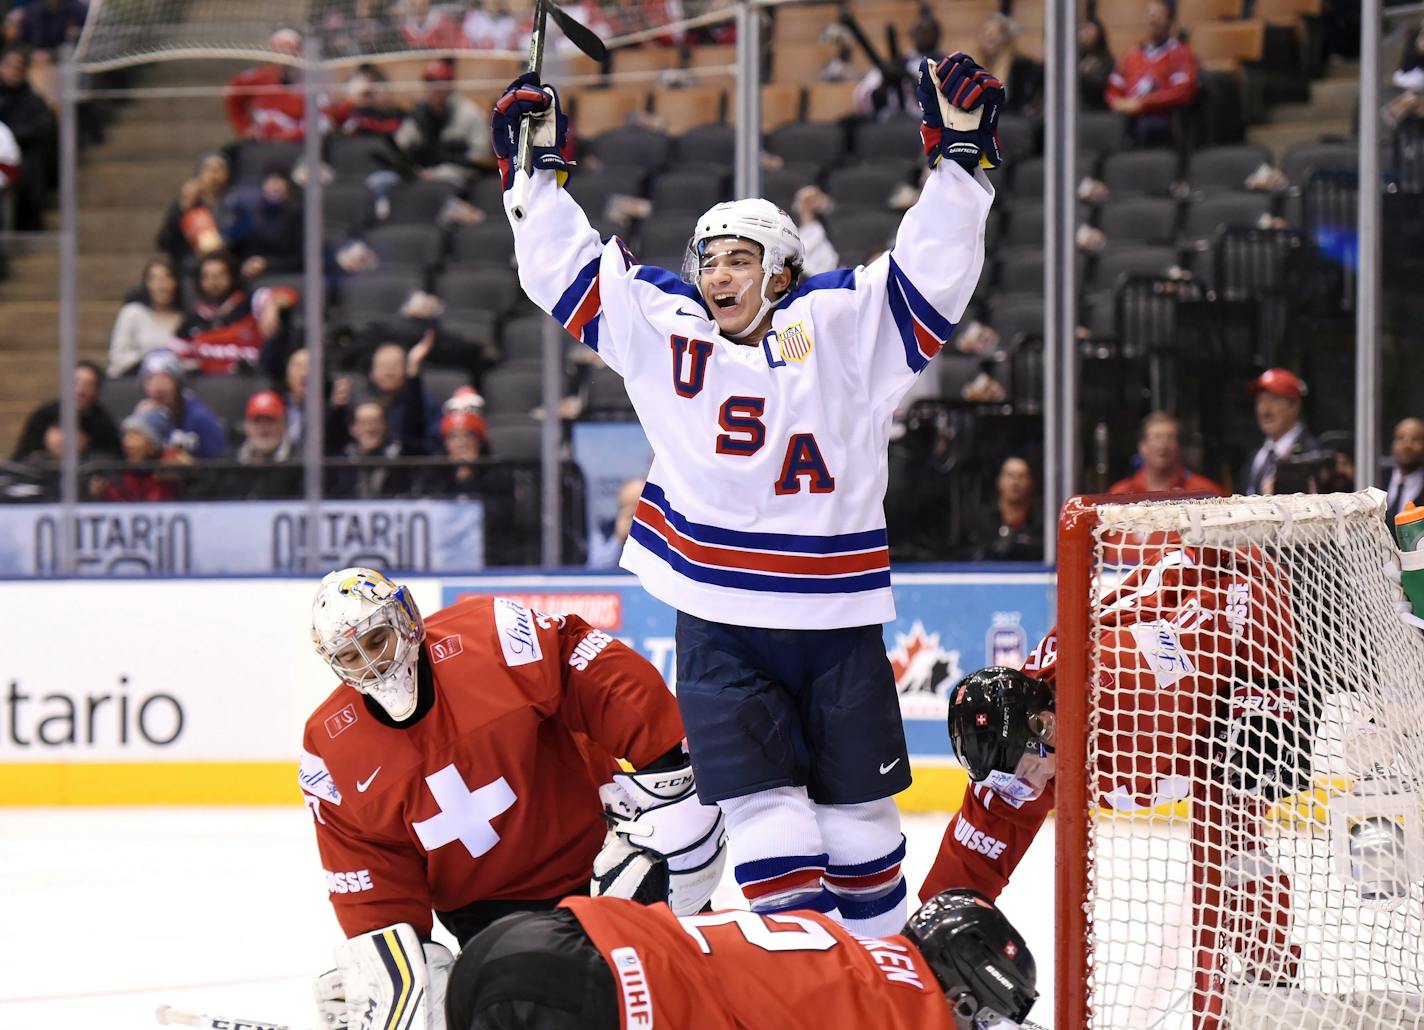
<point x="579" y="307"/>
<point x="841" y="563"/>
<point x="923" y="330"/>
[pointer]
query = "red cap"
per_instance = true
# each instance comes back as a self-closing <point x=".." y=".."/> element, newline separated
<point x="438" y="71"/>
<point x="462" y="420"/>
<point x="1280" y="381"/>
<point x="265" y="404"/>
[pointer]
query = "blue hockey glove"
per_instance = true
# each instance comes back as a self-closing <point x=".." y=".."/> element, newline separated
<point x="960" y="104"/>
<point x="526" y="98"/>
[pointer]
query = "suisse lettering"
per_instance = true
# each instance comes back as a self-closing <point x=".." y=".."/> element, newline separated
<point x="977" y="840"/>
<point x="589" y="648"/>
<point x="353" y="882"/>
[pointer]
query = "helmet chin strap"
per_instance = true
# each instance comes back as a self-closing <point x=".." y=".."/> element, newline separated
<point x="766" y="305"/>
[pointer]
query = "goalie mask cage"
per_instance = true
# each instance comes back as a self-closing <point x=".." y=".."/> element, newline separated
<point x="1238" y="822"/>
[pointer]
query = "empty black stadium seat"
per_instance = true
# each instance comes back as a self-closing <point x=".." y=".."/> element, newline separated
<point x="417" y="203"/>
<point x="779" y="185"/>
<point x="489" y="243"/>
<point x="706" y="145"/>
<point x="662" y="236"/>
<point x="1026" y="179"/>
<point x="816" y="143"/>
<point x="251" y="159"/>
<point x="865" y="185"/>
<point x="631" y="145"/>
<point x="1114" y="262"/>
<point x="605" y="393"/>
<point x="1304" y="159"/>
<point x="515" y="437"/>
<point x="858" y="234"/>
<point x="375" y="296"/>
<point x="688" y="190"/>
<point x="892" y="138"/>
<point x="480" y="289"/>
<point x="439" y="383"/>
<point x="1025" y="225"/>
<point x="1226" y="167"/>
<point x="227" y="395"/>
<point x="514" y="391"/>
<point x="1100" y="132"/>
<point x="1016" y="315"/>
<point x="1018" y="137"/>
<point x="593" y="188"/>
<point x="406" y="246"/>
<point x="1150" y="220"/>
<point x="1138" y="173"/>
<point x="1020" y="270"/>
<point x="1206" y="214"/>
<point x="355" y="157"/>
<point x="346" y="208"/>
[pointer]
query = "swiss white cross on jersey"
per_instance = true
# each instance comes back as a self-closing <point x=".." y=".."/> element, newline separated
<point x="764" y="502"/>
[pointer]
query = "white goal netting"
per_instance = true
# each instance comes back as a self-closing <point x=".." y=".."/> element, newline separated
<point x="1255" y="756"/>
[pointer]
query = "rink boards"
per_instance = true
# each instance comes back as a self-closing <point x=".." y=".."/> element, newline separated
<point x="186" y="691"/>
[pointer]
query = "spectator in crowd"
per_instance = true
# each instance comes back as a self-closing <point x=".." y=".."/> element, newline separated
<point x="364" y="29"/>
<point x="885" y="95"/>
<point x="1161" y="470"/>
<point x="46" y="25"/>
<point x="1409" y="78"/>
<point x="810" y="205"/>
<point x="148" y="321"/>
<point x="266" y="451"/>
<point x="197" y="430"/>
<point x="370" y="440"/>
<point x="394" y="383"/>
<point x="196" y="221"/>
<point x="267" y="234"/>
<point x="221" y="332"/>
<point x="446" y="136"/>
<point x="1021" y="75"/>
<point x="1012" y="529"/>
<point x="269" y="101"/>
<point x="146" y="435"/>
<point x="1095" y="65"/>
<point x="464" y="438"/>
<point x="294" y="397"/>
<point x="9" y="166"/>
<point x="95" y="422"/>
<point x="1154" y="80"/>
<point x="31" y="122"/>
<point x="428" y="28"/>
<point x="370" y="110"/>
<point x="921" y="496"/>
<point x="605" y="543"/>
<point x="1406" y="481"/>
<point x="490" y="25"/>
<point x="1278" y="394"/>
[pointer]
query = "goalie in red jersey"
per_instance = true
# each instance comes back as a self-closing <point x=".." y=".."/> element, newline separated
<point x="1195" y="647"/>
<point x="466" y="766"/>
<point x="606" y="964"/>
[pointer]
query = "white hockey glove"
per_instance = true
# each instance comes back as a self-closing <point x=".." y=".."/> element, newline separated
<point x="656" y="815"/>
<point x="385" y="978"/>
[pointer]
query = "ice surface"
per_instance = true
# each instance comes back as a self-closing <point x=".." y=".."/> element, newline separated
<point x="112" y="912"/>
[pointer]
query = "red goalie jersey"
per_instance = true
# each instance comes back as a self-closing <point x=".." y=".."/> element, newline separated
<point x="737" y="970"/>
<point x="1187" y="630"/>
<point x="492" y="793"/>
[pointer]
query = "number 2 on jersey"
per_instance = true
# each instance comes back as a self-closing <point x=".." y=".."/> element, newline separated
<point x="770" y="933"/>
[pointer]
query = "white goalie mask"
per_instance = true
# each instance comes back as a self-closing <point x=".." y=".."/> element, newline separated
<point x="369" y="631"/>
<point x="761" y="222"/>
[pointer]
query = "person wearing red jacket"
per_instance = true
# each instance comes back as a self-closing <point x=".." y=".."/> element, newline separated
<point x="607" y="964"/>
<point x="463" y="767"/>
<point x="269" y="101"/>
<point x="1155" y="79"/>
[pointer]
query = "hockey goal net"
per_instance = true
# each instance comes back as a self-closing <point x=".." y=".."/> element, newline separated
<point x="1240" y="770"/>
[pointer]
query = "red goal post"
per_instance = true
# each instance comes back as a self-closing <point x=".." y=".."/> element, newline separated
<point x="1273" y="874"/>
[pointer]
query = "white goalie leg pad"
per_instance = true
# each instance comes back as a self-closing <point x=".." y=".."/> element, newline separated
<point x="658" y="812"/>
<point x="386" y="980"/>
<point x="865" y="849"/>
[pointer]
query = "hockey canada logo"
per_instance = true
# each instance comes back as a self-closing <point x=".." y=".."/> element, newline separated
<point x="924" y="672"/>
<point x="795" y="343"/>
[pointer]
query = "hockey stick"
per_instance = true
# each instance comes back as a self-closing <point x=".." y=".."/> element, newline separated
<point x="522" y="157"/>
<point x="169" y="1016"/>
<point x="580" y="35"/>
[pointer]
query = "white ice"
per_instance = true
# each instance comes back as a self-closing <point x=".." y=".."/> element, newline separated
<point x="110" y="913"/>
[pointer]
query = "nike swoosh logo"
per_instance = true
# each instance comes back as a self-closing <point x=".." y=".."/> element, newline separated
<point x="692" y="314"/>
<point x="883" y="769"/>
<point x="361" y="785"/>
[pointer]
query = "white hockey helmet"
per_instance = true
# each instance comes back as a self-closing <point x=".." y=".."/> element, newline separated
<point x="764" y="224"/>
<point x="369" y="631"/>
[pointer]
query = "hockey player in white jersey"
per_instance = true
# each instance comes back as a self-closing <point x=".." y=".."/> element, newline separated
<point x="768" y="402"/>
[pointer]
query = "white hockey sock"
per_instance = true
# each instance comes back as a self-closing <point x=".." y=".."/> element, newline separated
<point x="865" y="848"/>
<point x="776" y="850"/>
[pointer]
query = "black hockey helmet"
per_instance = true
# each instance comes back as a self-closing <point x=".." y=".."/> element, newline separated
<point x="980" y="960"/>
<point x="994" y="719"/>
